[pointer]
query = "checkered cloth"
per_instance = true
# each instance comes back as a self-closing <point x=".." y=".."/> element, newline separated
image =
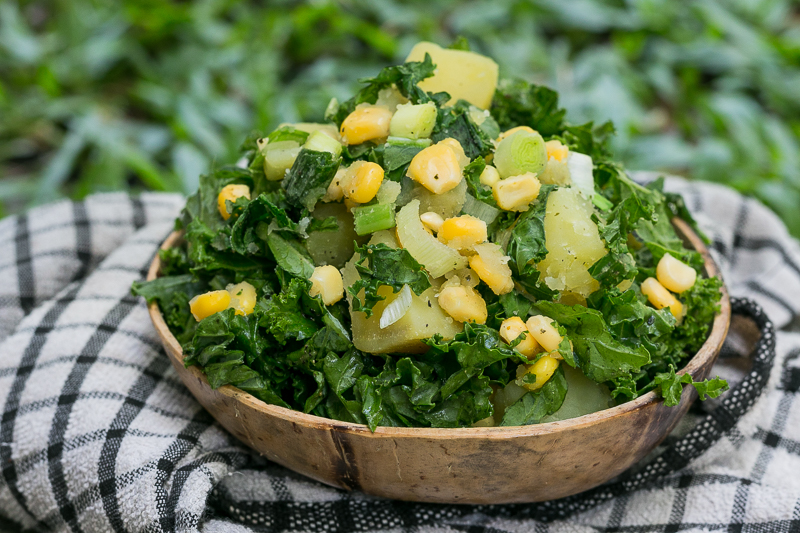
<point x="98" y="433"/>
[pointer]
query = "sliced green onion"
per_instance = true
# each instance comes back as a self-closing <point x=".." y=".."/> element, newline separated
<point x="437" y="258"/>
<point x="278" y="158"/>
<point x="479" y="209"/>
<point x="413" y="121"/>
<point x="580" y="173"/>
<point x="602" y="203"/>
<point x="321" y="142"/>
<point x="397" y="309"/>
<point x="372" y="218"/>
<point x="522" y="152"/>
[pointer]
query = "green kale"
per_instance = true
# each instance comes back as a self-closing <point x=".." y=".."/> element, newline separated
<point x="385" y="266"/>
<point x="670" y="386"/>
<point x="535" y="405"/>
<point x="472" y="174"/>
<point x="517" y="102"/>
<point x="456" y="122"/>
<point x="405" y="77"/>
<point x="309" y="177"/>
<point x="599" y="355"/>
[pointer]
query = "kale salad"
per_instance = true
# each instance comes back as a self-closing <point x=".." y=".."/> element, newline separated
<point x="444" y="250"/>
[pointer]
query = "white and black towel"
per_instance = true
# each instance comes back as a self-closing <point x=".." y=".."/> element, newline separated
<point x="98" y="433"/>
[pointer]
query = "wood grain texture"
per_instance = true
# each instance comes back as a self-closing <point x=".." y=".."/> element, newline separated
<point x="467" y="465"/>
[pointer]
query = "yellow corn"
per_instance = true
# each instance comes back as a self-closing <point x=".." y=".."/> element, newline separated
<point x="491" y="265"/>
<point x="326" y="282"/>
<point x="489" y="176"/>
<point x="660" y="297"/>
<point x="436" y="168"/>
<point x="432" y="221"/>
<point x="454" y="145"/>
<point x="675" y="275"/>
<point x="462" y="232"/>
<point x="556" y="150"/>
<point x="542" y="329"/>
<point x="363" y="183"/>
<point x="366" y="124"/>
<point x="513" y="327"/>
<point x="243" y="297"/>
<point x="463" y="304"/>
<point x="231" y="192"/>
<point x="207" y="304"/>
<point x="512" y="131"/>
<point x="517" y="192"/>
<point x="543" y="369"/>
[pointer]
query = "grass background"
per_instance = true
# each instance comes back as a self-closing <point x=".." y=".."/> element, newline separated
<point x="99" y="95"/>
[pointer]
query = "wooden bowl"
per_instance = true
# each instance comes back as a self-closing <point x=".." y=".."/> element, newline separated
<point x="465" y="465"/>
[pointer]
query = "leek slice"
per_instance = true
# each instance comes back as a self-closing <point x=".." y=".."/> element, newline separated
<point x="397" y="309"/>
<point x="522" y="152"/>
<point x="437" y="258"/>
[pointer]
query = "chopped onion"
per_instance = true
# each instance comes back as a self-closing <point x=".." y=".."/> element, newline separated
<point x="478" y="209"/>
<point x="437" y="258"/>
<point x="580" y="173"/>
<point x="397" y="309"/>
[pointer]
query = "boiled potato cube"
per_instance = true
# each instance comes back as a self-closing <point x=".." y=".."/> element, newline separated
<point x="464" y="75"/>
<point x="573" y="243"/>
<point x="423" y="319"/>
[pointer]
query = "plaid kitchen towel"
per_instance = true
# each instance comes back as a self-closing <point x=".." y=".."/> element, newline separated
<point x="98" y="433"/>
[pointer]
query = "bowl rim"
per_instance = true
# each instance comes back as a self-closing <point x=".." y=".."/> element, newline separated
<point x="708" y="350"/>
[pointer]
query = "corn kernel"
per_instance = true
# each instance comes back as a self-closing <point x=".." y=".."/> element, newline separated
<point x="231" y="192"/>
<point x="545" y="333"/>
<point x="243" y="297"/>
<point x="463" y="232"/>
<point x="463" y="304"/>
<point x="334" y="192"/>
<point x="489" y="176"/>
<point x="432" y="221"/>
<point x="512" y="131"/>
<point x="556" y="150"/>
<point x="436" y="168"/>
<point x="207" y="304"/>
<point x="675" y="275"/>
<point x="362" y="181"/>
<point x="454" y="145"/>
<point x="513" y="327"/>
<point x="543" y="369"/>
<point x="366" y="124"/>
<point x="660" y="297"/>
<point x="326" y="282"/>
<point x="517" y="192"/>
<point x="491" y="265"/>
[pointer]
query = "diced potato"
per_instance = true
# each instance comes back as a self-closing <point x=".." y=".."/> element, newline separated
<point x="423" y="319"/>
<point x="446" y="205"/>
<point x="333" y="247"/>
<point x="573" y="243"/>
<point x="584" y="396"/>
<point x="464" y="75"/>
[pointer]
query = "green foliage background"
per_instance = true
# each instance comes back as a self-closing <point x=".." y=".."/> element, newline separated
<point x="102" y="95"/>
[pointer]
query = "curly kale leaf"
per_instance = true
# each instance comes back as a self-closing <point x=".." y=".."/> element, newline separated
<point x="385" y="266"/>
